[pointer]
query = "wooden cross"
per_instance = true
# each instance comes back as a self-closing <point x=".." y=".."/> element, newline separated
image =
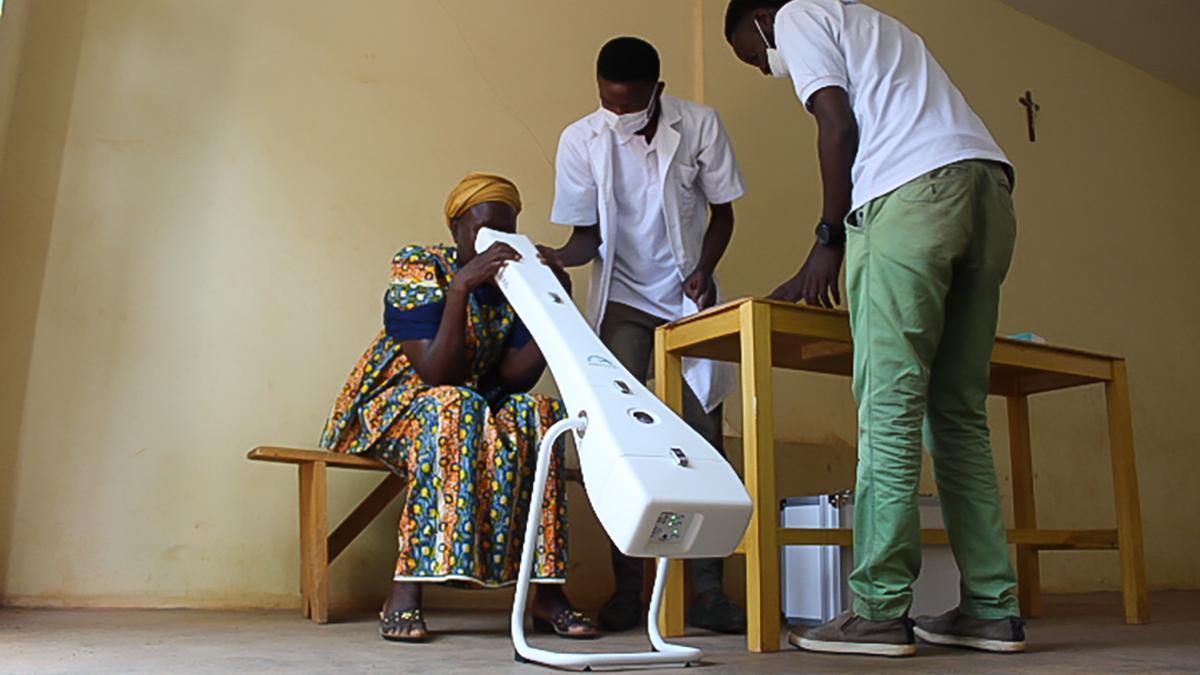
<point x="1031" y="111"/>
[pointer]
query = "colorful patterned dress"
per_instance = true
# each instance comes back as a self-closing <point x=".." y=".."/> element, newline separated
<point x="467" y="453"/>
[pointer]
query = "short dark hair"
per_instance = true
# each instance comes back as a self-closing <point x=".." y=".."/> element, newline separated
<point x="738" y="9"/>
<point x="628" y="59"/>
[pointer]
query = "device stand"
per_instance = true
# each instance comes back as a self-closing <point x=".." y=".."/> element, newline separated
<point x="665" y="654"/>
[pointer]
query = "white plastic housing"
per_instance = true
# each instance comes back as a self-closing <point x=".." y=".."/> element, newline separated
<point x="658" y="488"/>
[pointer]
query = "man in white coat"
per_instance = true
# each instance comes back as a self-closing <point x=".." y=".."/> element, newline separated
<point x="647" y="182"/>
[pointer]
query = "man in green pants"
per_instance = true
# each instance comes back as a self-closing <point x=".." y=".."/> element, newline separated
<point x="917" y="199"/>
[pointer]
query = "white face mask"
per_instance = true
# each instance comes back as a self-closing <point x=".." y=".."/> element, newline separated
<point x="775" y="60"/>
<point x="630" y="123"/>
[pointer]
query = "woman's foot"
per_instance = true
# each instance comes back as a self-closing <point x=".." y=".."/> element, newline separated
<point x="552" y="611"/>
<point x="401" y="619"/>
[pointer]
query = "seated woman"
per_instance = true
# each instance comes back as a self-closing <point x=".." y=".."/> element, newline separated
<point x="440" y="397"/>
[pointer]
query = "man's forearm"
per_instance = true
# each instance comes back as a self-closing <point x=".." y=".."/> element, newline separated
<point x="837" y="148"/>
<point x="717" y="237"/>
<point x="581" y="248"/>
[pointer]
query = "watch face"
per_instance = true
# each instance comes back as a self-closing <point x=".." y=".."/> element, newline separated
<point x="823" y="233"/>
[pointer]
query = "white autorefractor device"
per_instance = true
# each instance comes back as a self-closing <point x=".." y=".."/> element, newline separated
<point x="658" y="488"/>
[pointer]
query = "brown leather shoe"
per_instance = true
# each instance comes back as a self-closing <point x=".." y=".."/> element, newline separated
<point x="851" y="634"/>
<point x="955" y="629"/>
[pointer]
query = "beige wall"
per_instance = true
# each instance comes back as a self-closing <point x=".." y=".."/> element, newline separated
<point x="33" y="112"/>
<point x="14" y="340"/>
<point x="12" y="35"/>
<point x="201" y="200"/>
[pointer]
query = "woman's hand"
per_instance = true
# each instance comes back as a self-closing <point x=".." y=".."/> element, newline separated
<point x="483" y="267"/>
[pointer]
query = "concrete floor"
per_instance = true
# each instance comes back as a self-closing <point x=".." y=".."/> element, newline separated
<point x="1080" y="633"/>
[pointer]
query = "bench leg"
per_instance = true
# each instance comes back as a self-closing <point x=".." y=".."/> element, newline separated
<point x="314" y="552"/>
<point x="1029" y="588"/>
<point x="362" y="515"/>
<point x="1128" y="505"/>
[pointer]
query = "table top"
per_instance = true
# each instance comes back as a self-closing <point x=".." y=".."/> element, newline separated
<point x="818" y="340"/>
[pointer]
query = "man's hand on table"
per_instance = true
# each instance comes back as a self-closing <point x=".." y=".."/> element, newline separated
<point x="817" y="281"/>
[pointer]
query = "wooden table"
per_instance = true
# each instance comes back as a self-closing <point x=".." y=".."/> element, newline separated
<point x="761" y="335"/>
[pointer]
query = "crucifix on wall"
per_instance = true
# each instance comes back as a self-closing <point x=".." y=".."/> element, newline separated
<point x="1031" y="111"/>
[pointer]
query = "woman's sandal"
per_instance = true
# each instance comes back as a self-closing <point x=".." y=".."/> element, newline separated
<point x="563" y="621"/>
<point x="394" y="625"/>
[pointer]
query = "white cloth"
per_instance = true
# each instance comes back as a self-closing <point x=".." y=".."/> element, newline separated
<point x="697" y="167"/>
<point x="645" y="275"/>
<point x="911" y="117"/>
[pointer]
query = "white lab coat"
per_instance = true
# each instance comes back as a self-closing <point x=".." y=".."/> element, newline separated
<point x="698" y="167"/>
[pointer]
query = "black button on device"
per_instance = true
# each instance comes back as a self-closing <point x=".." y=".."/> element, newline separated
<point x="622" y="387"/>
<point x="643" y="417"/>
<point x="680" y="458"/>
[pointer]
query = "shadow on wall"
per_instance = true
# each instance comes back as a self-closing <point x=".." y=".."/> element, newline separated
<point x="108" y="253"/>
<point x="29" y="178"/>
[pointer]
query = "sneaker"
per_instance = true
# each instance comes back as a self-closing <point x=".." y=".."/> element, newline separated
<point x="717" y="613"/>
<point x="955" y="629"/>
<point x="622" y="612"/>
<point x="851" y="634"/>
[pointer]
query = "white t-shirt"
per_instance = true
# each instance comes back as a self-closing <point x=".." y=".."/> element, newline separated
<point x="911" y="117"/>
<point x="645" y="274"/>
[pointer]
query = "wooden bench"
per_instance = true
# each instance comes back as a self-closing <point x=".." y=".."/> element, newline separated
<point x="318" y="547"/>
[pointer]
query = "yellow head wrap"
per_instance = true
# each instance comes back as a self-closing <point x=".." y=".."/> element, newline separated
<point x="477" y="188"/>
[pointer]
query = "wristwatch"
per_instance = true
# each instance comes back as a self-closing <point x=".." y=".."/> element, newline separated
<point x="831" y="235"/>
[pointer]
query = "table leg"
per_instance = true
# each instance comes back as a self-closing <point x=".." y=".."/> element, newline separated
<point x="668" y="385"/>
<point x="1128" y="505"/>
<point x="314" y="551"/>
<point x="1029" y="589"/>
<point x="758" y="448"/>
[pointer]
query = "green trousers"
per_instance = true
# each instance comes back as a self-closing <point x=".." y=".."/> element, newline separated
<point x="924" y="266"/>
